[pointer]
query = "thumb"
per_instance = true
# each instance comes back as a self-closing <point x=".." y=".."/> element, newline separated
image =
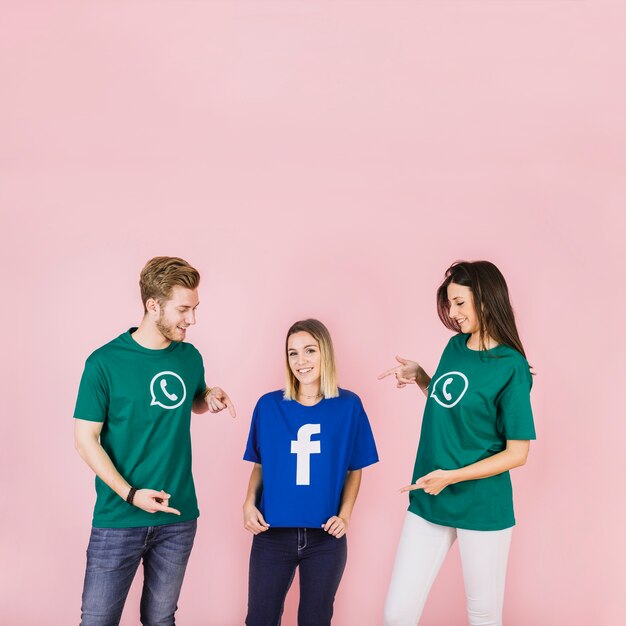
<point x="262" y="519"/>
<point x="401" y="360"/>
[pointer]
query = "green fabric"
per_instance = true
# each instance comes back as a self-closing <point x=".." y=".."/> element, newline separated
<point x="476" y="401"/>
<point x="144" y="398"/>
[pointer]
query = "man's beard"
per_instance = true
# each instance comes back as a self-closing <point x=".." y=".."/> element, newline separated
<point x="167" y="331"/>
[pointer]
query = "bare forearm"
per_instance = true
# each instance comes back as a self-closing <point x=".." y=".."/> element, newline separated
<point x="199" y="405"/>
<point x="423" y="380"/>
<point x="87" y="443"/>
<point x="254" y="484"/>
<point x="437" y="480"/>
<point x="492" y="466"/>
<point x="99" y="461"/>
<point x="349" y="494"/>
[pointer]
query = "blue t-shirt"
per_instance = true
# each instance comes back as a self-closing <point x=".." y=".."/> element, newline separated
<point x="306" y="452"/>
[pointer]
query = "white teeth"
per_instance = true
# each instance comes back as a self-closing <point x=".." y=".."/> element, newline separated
<point x="306" y="371"/>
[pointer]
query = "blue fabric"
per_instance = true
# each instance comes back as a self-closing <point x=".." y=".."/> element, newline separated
<point x="113" y="556"/>
<point x="306" y="452"/>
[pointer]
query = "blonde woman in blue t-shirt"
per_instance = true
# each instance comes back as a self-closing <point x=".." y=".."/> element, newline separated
<point x="309" y="443"/>
<point x="477" y="426"/>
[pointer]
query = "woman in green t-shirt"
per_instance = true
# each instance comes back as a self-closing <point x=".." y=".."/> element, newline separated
<point x="477" y="425"/>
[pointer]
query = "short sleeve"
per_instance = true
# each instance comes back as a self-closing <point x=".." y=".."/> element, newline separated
<point x="201" y="387"/>
<point x="253" y="450"/>
<point x="515" y="415"/>
<point x="92" y="403"/>
<point x="364" y="452"/>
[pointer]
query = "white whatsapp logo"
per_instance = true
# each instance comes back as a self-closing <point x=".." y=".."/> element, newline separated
<point x="303" y="448"/>
<point x="452" y="389"/>
<point x="167" y="390"/>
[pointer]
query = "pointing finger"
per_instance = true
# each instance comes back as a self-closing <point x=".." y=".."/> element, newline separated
<point x="409" y="488"/>
<point x="231" y="407"/>
<point x="167" y="509"/>
<point x="393" y="370"/>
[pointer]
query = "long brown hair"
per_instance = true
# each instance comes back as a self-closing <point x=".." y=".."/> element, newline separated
<point x="491" y="301"/>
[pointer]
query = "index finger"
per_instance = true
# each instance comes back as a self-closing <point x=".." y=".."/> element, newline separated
<point x="167" y="509"/>
<point x="387" y="373"/>
<point x="231" y="407"/>
<point x="410" y="488"/>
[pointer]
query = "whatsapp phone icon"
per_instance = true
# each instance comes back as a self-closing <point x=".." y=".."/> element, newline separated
<point x="449" y="388"/>
<point x="167" y="390"/>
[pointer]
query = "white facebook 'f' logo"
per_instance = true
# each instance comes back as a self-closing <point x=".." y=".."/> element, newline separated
<point x="303" y="447"/>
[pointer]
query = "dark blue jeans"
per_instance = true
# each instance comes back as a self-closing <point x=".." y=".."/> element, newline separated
<point x="113" y="557"/>
<point x="273" y="560"/>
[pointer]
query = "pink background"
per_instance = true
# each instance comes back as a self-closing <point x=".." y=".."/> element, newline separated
<point x="324" y="159"/>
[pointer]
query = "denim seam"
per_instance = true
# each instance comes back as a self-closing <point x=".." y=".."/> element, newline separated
<point x="305" y="539"/>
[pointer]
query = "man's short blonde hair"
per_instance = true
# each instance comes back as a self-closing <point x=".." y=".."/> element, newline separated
<point x="161" y="274"/>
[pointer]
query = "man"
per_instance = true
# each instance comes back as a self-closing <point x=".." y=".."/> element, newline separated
<point x="132" y="427"/>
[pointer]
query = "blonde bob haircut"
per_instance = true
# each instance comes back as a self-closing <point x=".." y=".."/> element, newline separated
<point x="328" y="377"/>
<point x="161" y="274"/>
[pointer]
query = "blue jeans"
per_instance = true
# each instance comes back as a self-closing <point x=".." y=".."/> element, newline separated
<point x="273" y="560"/>
<point x="113" y="557"/>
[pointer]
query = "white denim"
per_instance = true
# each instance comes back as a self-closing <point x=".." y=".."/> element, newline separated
<point x="421" y="551"/>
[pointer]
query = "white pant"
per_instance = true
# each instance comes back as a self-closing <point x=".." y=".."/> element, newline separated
<point x="421" y="551"/>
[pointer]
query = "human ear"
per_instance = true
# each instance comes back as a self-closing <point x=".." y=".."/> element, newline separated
<point x="152" y="306"/>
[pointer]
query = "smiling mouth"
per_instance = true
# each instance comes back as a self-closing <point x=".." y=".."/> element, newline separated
<point x="306" y="370"/>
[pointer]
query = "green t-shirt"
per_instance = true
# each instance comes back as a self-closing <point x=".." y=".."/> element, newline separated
<point x="144" y="398"/>
<point x="476" y="401"/>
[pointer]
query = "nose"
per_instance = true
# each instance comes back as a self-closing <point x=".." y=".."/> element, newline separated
<point x="191" y="318"/>
<point x="454" y="312"/>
